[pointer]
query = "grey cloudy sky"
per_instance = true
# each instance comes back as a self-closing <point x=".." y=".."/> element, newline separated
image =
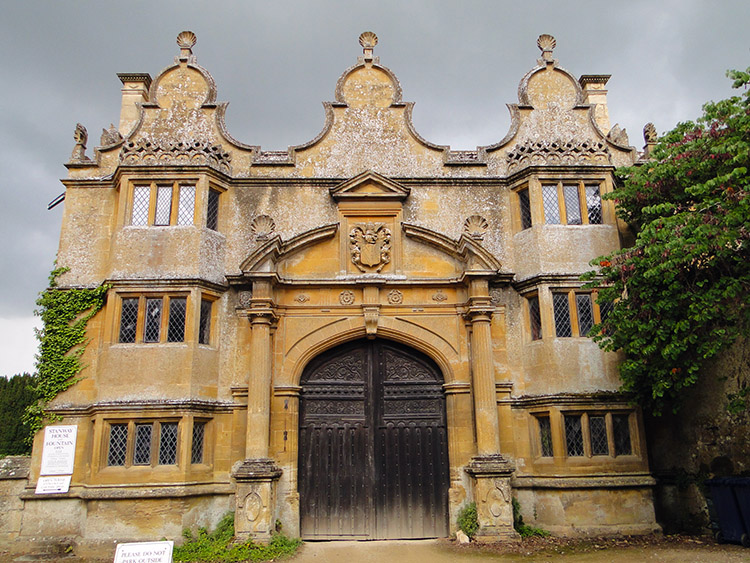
<point x="275" y="62"/>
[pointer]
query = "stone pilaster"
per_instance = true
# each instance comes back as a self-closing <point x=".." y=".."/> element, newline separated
<point x="257" y="475"/>
<point x="255" y="499"/>
<point x="493" y="496"/>
<point x="491" y="471"/>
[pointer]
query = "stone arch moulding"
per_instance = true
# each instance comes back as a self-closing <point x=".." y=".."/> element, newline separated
<point x="391" y="328"/>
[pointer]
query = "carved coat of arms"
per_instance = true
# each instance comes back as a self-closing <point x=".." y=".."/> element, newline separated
<point x="370" y="245"/>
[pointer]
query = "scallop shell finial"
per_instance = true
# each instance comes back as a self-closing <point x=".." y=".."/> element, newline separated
<point x="546" y="44"/>
<point x="368" y="40"/>
<point x="186" y="40"/>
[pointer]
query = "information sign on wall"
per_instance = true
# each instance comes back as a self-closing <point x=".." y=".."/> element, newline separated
<point x="144" y="552"/>
<point x="58" y="454"/>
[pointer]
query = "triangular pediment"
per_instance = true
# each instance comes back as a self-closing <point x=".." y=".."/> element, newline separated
<point x="370" y="185"/>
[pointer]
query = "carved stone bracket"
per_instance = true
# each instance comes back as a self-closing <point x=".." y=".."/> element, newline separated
<point x="372" y="314"/>
<point x="493" y="496"/>
<point x="255" y="498"/>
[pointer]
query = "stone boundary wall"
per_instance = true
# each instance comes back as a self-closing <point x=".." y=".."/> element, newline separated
<point x="14" y="475"/>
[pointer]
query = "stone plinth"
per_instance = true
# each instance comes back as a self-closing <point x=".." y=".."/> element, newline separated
<point x="493" y="496"/>
<point x="254" y="515"/>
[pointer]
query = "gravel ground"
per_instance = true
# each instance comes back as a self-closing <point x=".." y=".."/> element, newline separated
<point x="636" y="549"/>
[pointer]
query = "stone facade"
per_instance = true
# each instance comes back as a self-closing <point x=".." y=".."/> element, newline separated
<point x="233" y="269"/>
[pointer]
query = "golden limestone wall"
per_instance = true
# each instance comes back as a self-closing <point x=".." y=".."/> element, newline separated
<point x="232" y="268"/>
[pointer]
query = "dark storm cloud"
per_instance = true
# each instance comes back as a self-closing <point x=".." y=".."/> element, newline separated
<point x="275" y="62"/>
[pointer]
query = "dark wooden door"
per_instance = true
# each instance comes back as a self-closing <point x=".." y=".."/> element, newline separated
<point x="373" y="454"/>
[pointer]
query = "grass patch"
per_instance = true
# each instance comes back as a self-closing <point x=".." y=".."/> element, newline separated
<point x="524" y="530"/>
<point x="218" y="546"/>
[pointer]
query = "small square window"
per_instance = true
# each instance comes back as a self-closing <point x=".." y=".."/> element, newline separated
<point x="598" y="432"/>
<point x="152" y="327"/>
<point x="199" y="434"/>
<point x="177" y="310"/>
<point x="142" y="451"/>
<point x="545" y="436"/>
<point x="535" y="320"/>
<point x="128" y="319"/>
<point x="573" y="435"/>
<point x="212" y="212"/>
<point x="621" y="432"/>
<point x="562" y="315"/>
<point x="118" y="444"/>
<point x="204" y="326"/>
<point x="525" y="206"/>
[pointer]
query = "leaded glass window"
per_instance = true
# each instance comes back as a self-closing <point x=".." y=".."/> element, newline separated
<point x="186" y="205"/>
<point x="204" y="326"/>
<point x="177" y="310"/>
<point x="598" y="432"/>
<point x="573" y="435"/>
<point x="199" y="433"/>
<point x="163" y="205"/>
<point x="142" y="448"/>
<point x="128" y="319"/>
<point x="523" y="199"/>
<point x="118" y="444"/>
<point x="212" y="213"/>
<point x="168" y="443"/>
<point x="141" y="197"/>
<point x="621" y="432"/>
<point x="585" y="310"/>
<point x="594" y="204"/>
<point x="153" y="320"/>
<point x="551" y="205"/>
<point x="562" y="314"/>
<point x="535" y="320"/>
<point x="545" y="436"/>
<point x="572" y="205"/>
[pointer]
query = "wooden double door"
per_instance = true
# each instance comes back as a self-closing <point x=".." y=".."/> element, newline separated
<point x="373" y="453"/>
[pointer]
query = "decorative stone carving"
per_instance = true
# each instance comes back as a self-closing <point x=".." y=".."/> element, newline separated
<point x="618" y="136"/>
<point x="181" y="153"/>
<point x="476" y="226"/>
<point x="302" y="298"/>
<point x="495" y="295"/>
<point x="262" y="227"/>
<point x="546" y="44"/>
<point x="368" y="40"/>
<point x="439" y="296"/>
<point x="346" y="297"/>
<point x="244" y="298"/>
<point x="395" y="297"/>
<point x="110" y="136"/>
<point x="370" y="245"/>
<point x="492" y="492"/>
<point x="557" y="152"/>
<point x="649" y="133"/>
<point x="255" y="498"/>
<point x="186" y="40"/>
<point x="81" y="137"/>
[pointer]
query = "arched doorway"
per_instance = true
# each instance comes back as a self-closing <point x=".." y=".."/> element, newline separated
<point x="373" y="453"/>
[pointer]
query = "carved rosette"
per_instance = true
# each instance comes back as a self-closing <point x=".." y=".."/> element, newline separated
<point x="346" y="297"/>
<point x="395" y="297"/>
<point x="439" y="297"/>
<point x="245" y="298"/>
<point x="302" y="298"/>
<point x="370" y="246"/>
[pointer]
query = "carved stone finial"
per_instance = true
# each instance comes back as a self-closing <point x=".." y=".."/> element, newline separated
<point x="186" y="40"/>
<point x="368" y="40"/>
<point x="110" y="136"/>
<point x="81" y="137"/>
<point x="649" y="133"/>
<point x="546" y="44"/>
<point x="618" y="135"/>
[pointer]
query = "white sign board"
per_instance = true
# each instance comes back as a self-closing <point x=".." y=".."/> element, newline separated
<point x="59" y="450"/>
<point x="52" y="484"/>
<point x="144" y="552"/>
